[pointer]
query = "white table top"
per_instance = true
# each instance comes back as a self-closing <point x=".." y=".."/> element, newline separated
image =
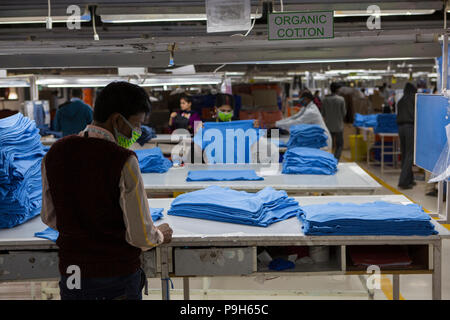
<point x="349" y="178"/>
<point x="189" y="229"/>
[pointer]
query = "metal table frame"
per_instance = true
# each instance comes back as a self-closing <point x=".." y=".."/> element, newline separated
<point x="35" y="257"/>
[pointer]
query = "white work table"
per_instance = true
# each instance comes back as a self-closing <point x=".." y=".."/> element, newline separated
<point x="349" y="179"/>
<point x="210" y="248"/>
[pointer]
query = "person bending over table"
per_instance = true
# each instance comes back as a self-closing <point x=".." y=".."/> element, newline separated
<point x="93" y="194"/>
<point x="186" y="117"/>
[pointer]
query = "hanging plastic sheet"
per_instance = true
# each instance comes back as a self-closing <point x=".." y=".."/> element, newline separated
<point x="373" y="218"/>
<point x="223" y="175"/>
<point x="21" y="153"/>
<point x="307" y="135"/>
<point x="309" y="161"/>
<point x="227" y="142"/>
<point x="224" y="204"/>
<point x="153" y="160"/>
<point x="441" y="171"/>
<point x="52" y="234"/>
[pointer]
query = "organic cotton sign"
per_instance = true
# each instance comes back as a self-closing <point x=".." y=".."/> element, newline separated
<point x="301" y="25"/>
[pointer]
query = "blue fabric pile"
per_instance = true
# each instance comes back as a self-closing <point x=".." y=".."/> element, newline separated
<point x="21" y="153"/>
<point x="238" y="149"/>
<point x="148" y="133"/>
<point x="223" y="175"/>
<point x="224" y="204"/>
<point x="372" y="218"/>
<point x="152" y="160"/>
<point x="307" y="135"/>
<point x="386" y="123"/>
<point x="52" y="234"/>
<point x="309" y="161"/>
<point x="381" y="123"/>
<point x="361" y="120"/>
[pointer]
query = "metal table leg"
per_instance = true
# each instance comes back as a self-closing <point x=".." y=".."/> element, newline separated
<point x="382" y="155"/>
<point x="186" y="288"/>
<point x="437" y="272"/>
<point x="396" y="287"/>
<point x="165" y="273"/>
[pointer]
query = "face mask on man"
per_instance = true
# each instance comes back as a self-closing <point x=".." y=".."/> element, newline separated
<point x="225" y="116"/>
<point x="123" y="140"/>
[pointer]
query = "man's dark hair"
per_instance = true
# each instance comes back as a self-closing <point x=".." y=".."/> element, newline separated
<point x="334" y="87"/>
<point x="308" y="95"/>
<point x="186" y="97"/>
<point x="125" y="98"/>
<point x="224" y="99"/>
<point x="76" y="93"/>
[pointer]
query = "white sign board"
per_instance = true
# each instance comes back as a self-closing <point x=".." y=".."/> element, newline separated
<point x="301" y="25"/>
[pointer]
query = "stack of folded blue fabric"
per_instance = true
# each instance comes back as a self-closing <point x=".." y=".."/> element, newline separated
<point x="309" y="161"/>
<point x="152" y="160"/>
<point x="307" y="135"/>
<point x="381" y="123"/>
<point x="362" y="120"/>
<point x="21" y="153"/>
<point x="224" y="204"/>
<point x="373" y="218"/>
<point x="52" y="234"/>
<point x="148" y="133"/>
<point x="386" y="123"/>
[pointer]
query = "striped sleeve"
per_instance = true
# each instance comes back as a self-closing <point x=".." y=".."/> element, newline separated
<point x="140" y="230"/>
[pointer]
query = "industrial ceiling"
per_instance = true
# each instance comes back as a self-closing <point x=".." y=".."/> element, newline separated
<point x="147" y="44"/>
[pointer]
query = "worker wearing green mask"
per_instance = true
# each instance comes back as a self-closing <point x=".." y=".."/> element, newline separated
<point x="224" y="110"/>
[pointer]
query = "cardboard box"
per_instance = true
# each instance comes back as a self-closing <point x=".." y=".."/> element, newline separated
<point x="246" y="101"/>
<point x="265" y="98"/>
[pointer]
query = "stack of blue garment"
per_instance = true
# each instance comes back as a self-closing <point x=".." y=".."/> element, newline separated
<point x="361" y="120"/>
<point x="223" y="175"/>
<point x="373" y="218"/>
<point x="21" y="153"/>
<point x="52" y="234"/>
<point x="224" y="204"/>
<point x="381" y="123"/>
<point x="307" y="135"/>
<point x="148" y="133"/>
<point x="386" y="123"/>
<point x="152" y="160"/>
<point x="237" y="145"/>
<point x="309" y="161"/>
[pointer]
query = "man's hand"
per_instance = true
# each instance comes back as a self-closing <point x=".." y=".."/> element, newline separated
<point x="166" y="231"/>
<point x="256" y="124"/>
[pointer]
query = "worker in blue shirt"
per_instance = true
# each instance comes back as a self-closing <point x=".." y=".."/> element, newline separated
<point x="73" y="117"/>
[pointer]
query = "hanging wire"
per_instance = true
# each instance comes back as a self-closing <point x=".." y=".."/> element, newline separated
<point x="219" y="68"/>
<point x="253" y="24"/>
<point x="281" y="4"/>
<point x="96" y="37"/>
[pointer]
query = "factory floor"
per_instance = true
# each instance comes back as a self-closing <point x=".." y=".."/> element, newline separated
<point x="302" y="287"/>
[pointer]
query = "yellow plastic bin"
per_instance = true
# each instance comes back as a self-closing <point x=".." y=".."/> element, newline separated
<point x="360" y="148"/>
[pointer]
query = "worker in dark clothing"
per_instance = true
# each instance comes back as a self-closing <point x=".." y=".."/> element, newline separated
<point x="73" y="117"/>
<point x="405" y="121"/>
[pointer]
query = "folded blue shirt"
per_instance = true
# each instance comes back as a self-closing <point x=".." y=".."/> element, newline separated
<point x="153" y="160"/>
<point x="222" y="175"/>
<point x="374" y="218"/>
<point x="52" y="234"/>
<point x="279" y="264"/>
<point x="307" y="135"/>
<point x="224" y="204"/>
<point x="21" y="153"/>
<point x="301" y="160"/>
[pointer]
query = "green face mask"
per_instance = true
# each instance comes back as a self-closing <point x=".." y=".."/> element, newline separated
<point x="225" y="116"/>
<point x="124" y="141"/>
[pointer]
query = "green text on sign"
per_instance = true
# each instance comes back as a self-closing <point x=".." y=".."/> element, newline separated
<point x="301" y="25"/>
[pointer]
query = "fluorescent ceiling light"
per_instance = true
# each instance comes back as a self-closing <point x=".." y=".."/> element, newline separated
<point x="136" y="18"/>
<point x="363" y="13"/>
<point x="364" y="77"/>
<point x="187" y="83"/>
<point x="13" y="83"/>
<point x="23" y="20"/>
<point x="232" y="73"/>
